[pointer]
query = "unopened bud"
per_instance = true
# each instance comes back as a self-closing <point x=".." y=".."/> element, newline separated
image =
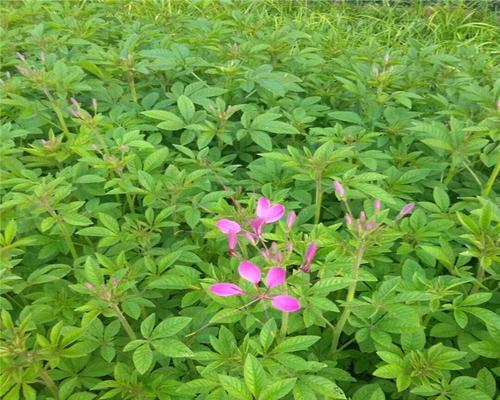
<point x="339" y="188"/>
<point x="22" y="70"/>
<point x="114" y="282"/>
<point x="89" y="286"/>
<point x="291" y="219"/>
<point x="377" y="205"/>
<point x="289" y="247"/>
<point x="348" y="219"/>
<point x="362" y="216"/>
<point x="75" y="103"/>
<point x="408" y="208"/>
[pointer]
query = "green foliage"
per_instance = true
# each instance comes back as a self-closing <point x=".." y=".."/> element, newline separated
<point x="186" y="113"/>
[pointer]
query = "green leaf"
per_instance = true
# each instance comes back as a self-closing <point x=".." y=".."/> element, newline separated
<point x="267" y="334"/>
<point x="143" y="358"/>
<point x="254" y="375"/>
<point x="235" y="388"/>
<point x="155" y="159"/>
<point x="76" y="219"/>
<point x="170" y="327"/>
<point x="171" y="122"/>
<point x="441" y="198"/>
<point x="374" y="191"/>
<point x="172" y="348"/>
<point x="262" y="139"/>
<point x="295" y="343"/>
<point x="347" y="116"/>
<point x="109" y="222"/>
<point x="486" y="216"/>
<point x="186" y="107"/>
<point x="278" y="389"/>
<point x="486" y="382"/>
<point x="147" y="325"/>
<point x="95" y="231"/>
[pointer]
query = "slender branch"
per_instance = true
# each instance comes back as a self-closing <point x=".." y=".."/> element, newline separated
<point x="491" y="180"/>
<point x="123" y="320"/>
<point x="49" y="382"/>
<point x="319" y="197"/>
<point x="350" y="295"/>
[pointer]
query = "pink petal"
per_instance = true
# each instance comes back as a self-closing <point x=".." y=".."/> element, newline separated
<point x="257" y="225"/>
<point x="286" y="303"/>
<point x="311" y="252"/>
<point x="225" y="289"/>
<point x="232" y="240"/>
<point x="275" y="277"/>
<point x="262" y="205"/>
<point x="249" y="271"/>
<point x="227" y="226"/>
<point x="290" y="219"/>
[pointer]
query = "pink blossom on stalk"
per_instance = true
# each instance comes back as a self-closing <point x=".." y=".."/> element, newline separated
<point x="362" y="216"/>
<point x="339" y="189"/>
<point x="231" y="230"/>
<point x="377" y="205"/>
<point x="75" y="103"/>
<point x="251" y="272"/>
<point x="266" y="214"/>
<point x="226" y="289"/>
<point x="310" y="253"/>
<point x="348" y="219"/>
<point x="408" y="208"/>
<point x="291" y="219"/>
<point x="286" y="303"/>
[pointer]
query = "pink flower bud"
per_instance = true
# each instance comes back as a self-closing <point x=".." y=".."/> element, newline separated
<point x="408" y="208"/>
<point x="114" y="282"/>
<point x="291" y="219"/>
<point x="74" y="113"/>
<point x="22" y="70"/>
<point x="89" y="286"/>
<point x="377" y="205"/>
<point x="348" y="219"/>
<point x="21" y="57"/>
<point x="75" y="103"/>
<point x="362" y="216"/>
<point x="339" y="188"/>
<point x="289" y="247"/>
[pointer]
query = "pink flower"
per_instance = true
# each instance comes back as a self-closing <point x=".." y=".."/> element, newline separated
<point x="251" y="273"/>
<point x="226" y="289"/>
<point x="362" y="216"/>
<point x="75" y="103"/>
<point x="231" y="230"/>
<point x="408" y="208"/>
<point x="348" y="219"/>
<point x="339" y="189"/>
<point x="266" y="214"/>
<point x="377" y="205"/>
<point x="310" y="253"/>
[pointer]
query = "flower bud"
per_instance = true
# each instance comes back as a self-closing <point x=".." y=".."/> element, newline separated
<point x="339" y="188"/>
<point x="291" y="219"/>
<point x="408" y="208"/>
<point x="75" y="103"/>
<point x="89" y="286"/>
<point x="377" y="205"/>
<point x="348" y="219"/>
<point x="362" y="216"/>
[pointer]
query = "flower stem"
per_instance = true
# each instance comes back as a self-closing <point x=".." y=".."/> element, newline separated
<point x="49" y="383"/>
<point x="123" y="320"/>
<point x="358" y="258"/>
<point x="491" y="180"/>
<point x="319" y="197"/>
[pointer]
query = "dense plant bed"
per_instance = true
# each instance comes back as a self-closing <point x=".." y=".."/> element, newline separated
<point x="249" y="200"/>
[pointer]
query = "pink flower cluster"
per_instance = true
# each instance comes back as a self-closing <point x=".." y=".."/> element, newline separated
<point x="266" y="213"/>
<point x="251" y="272"/>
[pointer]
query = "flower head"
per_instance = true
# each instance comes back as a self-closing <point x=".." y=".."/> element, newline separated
<point x="231" y="230"/>
<point x="266" y="214"/>
<point x="310" y="253"/>
<point x="408" y="208"/>
<point x="377" y="205"/>
<point x="252" y="273"/>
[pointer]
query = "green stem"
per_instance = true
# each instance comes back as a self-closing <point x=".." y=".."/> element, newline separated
<point x="319" y="197"/>
<point x="131" y="83"/>
<point x="284" y="320"/>
<point x="49" y="383"/>
<point x="358" y="258"/>
<point x="65" y="233"/>
<point x="124" y="322"/>
<point x="479" y="278"/>
<point x="491" y="180"/>
<point x="130" y="202"/>
<point x="451" y="173"/>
